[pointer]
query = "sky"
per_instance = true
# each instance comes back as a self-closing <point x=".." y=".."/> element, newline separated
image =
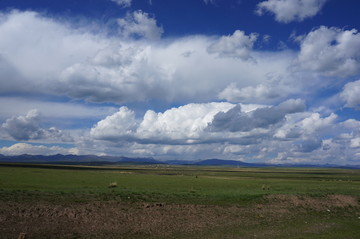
<point x="275" y="81"/>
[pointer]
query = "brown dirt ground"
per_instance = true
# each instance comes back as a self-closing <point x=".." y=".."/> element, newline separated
<point x="112" y="219"/>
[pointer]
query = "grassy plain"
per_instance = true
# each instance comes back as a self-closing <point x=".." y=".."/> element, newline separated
<point x="182" y="202"/>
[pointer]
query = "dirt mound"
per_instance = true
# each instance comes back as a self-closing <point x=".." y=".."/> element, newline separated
<point x="318" y="203"/>
<point x="99" y="218"/>
<point x="113" y="219"/>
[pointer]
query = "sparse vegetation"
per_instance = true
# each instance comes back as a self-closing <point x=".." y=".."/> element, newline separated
<point x="113" y="185"/>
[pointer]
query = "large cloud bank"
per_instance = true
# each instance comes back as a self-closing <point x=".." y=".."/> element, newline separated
<point x="265" y="116"/>
<point x="233" y="130"/>
<point x="39" y="55"/>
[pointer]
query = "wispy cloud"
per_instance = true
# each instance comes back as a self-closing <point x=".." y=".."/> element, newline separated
<point x="123" y="3"/>
<point x="24" y="148"/>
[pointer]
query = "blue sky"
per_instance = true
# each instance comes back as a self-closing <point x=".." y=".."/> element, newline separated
<point x="259" y="81"/>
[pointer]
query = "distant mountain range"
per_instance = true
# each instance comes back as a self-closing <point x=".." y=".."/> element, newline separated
<point x="75" y="159"/>
<point x="113" y="160"/>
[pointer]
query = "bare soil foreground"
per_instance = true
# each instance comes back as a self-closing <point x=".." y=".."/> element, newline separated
<point x="273" y="216"/>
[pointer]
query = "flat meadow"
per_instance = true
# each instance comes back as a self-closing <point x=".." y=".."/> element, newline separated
<point x="162" y="201"/>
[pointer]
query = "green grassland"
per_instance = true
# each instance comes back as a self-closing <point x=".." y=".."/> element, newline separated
<point x="222" y="187"/>
<point x="177" y="184"/>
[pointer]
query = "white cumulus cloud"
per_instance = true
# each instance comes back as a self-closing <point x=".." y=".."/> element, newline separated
<point x="35" y="50"/>
<point x="351" y="94"/>
<point x="120" y="124"/>
<point x="118" y="70"/>
<point x="28" y="127"/>
<point x="286" y="11"/>
<point x="195" y="124"/>
<point x="236" y="45"/>
<point x="140" y="24"/>
<point x="331" y="52"/>
<point x="231" y="131"/>
<point x="305" y="125"/>
<point x="182" y="125"/>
